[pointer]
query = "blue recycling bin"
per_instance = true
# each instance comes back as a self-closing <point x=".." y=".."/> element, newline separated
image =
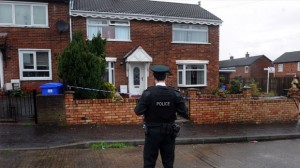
<point x="51" y="88"/>
<point x="223" y="87"/>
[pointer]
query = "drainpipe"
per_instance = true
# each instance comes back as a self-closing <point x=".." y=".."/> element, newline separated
<point x="70" y="17"/>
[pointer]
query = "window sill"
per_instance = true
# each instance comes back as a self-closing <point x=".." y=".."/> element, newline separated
<point x="192" y="86"/>
<point x="182" y="42"/>
<point x="113" y="40"/>
<point x="17" y="26"/>
<point x="35" y="79"/>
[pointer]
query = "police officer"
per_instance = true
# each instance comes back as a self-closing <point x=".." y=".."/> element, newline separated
<point x="159" y="105"/>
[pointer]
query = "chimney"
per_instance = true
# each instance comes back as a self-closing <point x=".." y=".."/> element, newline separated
<point x="199" y="3"/>
<point x="231" y="57"/>
<point x="247" y="55"/>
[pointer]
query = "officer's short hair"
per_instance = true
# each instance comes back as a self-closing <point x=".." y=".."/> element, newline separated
<point x="159" y="76"/>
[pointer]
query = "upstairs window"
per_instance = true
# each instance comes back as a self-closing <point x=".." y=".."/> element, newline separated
<point x="23" y="14"/>
<point x="280" y="68"/>
<point x="246" y="69"/>
<point x="298" y="66"/>
<point x="114" y="30"/>
<point x="35" y="64"/>
<point x="190" y="33"/>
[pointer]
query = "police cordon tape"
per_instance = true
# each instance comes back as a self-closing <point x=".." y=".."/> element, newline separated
<point x="98" y="90"/>
<point x="184" y="97"/>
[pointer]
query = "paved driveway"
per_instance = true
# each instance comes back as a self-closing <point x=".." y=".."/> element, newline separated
<point x="272" y="154"/>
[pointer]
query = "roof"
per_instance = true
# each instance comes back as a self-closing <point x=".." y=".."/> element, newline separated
<point x="288" y="57"/>
<point x="144" y="10"/>
<point x="240" y="61"/>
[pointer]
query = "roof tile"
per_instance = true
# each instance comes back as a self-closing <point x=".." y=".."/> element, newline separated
<point x="288" y="57"/>
<point x="145" y="7"/>
<point x="239" y="61"/>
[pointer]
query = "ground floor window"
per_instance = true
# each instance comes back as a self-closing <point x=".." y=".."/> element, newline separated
<point x="35" y="64"/>
<point x="110" y="70"/>
<point x="191" y="73"/>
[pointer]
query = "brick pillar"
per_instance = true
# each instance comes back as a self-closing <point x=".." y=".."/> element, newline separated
<point x="69" y="97"/>
<point x="69" y="100"/>
<point x="192" y="93"/>
<point x="294" y="93"/>
<point x="247" y="92"/>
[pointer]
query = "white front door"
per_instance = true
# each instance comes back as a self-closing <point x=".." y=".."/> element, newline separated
<point x="137" y="78"/>
<point x="1" y="71"/>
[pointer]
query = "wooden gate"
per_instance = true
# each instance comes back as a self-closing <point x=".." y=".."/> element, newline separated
<point x="15" y="107"/>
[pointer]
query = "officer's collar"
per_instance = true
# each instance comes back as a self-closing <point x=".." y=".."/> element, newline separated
<point x="161" y="84"/>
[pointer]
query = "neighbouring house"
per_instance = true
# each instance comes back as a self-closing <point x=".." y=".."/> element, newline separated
<point x="288" y="64"/>
<point x="141" y="33"/>
<point x="32" y="34"/>
<point x="247" y="67"/>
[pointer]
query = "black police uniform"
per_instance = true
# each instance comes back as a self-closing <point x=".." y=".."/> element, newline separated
<point x="159" y="105"/>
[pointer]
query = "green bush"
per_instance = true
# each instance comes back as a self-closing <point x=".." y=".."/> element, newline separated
<point x="82" y="64"/>
<point x="19" y="93"/>
<point x="108" y="87"/>
<point x="235" y="87"/>
<point x="221" y="81"/>
<point x="271" y="94"/>
<point x="255" y="91"/>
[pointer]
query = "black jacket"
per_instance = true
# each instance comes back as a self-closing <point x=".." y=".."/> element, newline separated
<point x="159" y="104"/>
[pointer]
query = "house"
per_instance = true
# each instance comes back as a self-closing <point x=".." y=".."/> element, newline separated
<point x="288" y="64"/>
<point x="247" y="67"/>
<point x="141" y="33"/>
<point x="32" y="34"/>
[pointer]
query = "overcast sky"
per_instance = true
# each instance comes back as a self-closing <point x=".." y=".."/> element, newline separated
<point x="260" y="27"/>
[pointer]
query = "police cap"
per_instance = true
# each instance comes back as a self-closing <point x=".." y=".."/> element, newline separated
<point x="160" y="69"/>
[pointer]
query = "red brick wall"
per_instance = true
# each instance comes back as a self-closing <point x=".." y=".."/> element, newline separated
<point x="240" y="72"/>
<point x="289" y="69"/>
<point x="242" y="110"/>
<point x="155" y="38"/>
<point x="207" y="110"/>
<point x="257" y="69"/>
<point x="102" y="111"/>
<point x="36" y="38"/>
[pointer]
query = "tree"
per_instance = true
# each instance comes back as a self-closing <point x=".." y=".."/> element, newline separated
<point x="82" y="64"/>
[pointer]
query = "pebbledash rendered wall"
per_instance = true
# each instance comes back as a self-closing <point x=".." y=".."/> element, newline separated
<point x="202" y="110"/>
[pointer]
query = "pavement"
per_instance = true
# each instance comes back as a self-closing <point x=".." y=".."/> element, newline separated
<point x="33" y="137"/>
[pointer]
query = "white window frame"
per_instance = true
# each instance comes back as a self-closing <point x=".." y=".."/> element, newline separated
<point x="280" y="68"/>
<point x="298" y="66"/>
<point x="190" y="30"/>
<point x="111" y="69"/>
<point x="109" y="23"/>
<point x="246" y="69"/>
<point x="184" y="63"/>
<point x="21" y="63"/>
<point x="1" y="71"/>
<point x="13" y="23"/>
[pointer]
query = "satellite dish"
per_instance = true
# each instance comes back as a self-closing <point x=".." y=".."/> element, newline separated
<point x="62" y="26"/>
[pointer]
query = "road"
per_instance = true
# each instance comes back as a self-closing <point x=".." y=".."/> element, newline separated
<point x="271" y="154"/>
